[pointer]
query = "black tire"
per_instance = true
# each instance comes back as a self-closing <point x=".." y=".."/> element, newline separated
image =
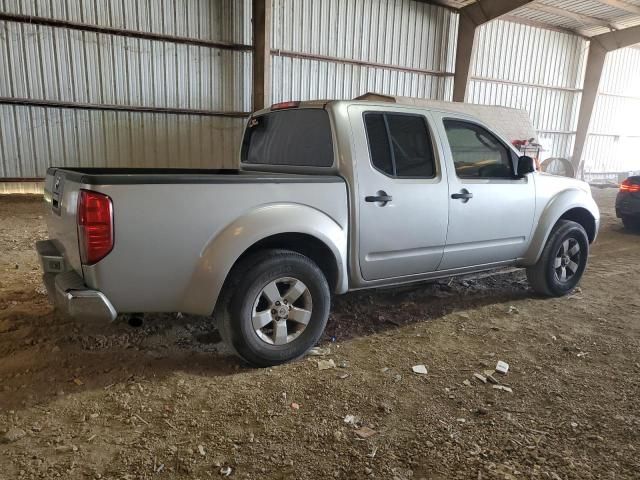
<point x="544" y="277"/>
<point x="631" y="223"/>
<point x="244" y="290"/>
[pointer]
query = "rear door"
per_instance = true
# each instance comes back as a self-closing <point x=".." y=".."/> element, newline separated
<point x="402" y="192"/>
<point x="490" y="210"/>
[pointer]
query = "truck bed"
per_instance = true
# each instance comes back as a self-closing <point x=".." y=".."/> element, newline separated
<point x="167" y="220"/>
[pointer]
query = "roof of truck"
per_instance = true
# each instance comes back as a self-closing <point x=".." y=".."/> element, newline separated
<point x="511" y="123"/>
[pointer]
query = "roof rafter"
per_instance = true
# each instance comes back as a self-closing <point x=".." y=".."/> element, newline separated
<point x="478" y="10"/>
<point x="620" y="5"/>
<point x="618" y="39"/>
<point x="538" y="24"/>
<point x="579" y="17"/>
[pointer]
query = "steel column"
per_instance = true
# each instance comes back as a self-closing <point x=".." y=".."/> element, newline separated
<point x="599" y="46"/>
<point x="471" y="17"/>
<point x="593" y="73"/>
<point x="261" y="53"/>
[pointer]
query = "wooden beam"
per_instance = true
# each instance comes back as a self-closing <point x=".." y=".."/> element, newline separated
<point x="261" y="53"/>
<point x="578" y="17"/>
<point x="471" y="17"/>
<point x="620" y="5"/>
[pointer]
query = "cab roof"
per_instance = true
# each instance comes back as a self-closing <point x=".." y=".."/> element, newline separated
<point x="512" y="123"/>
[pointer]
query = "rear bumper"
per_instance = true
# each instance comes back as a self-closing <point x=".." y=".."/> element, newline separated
<point x="67" y="290"/>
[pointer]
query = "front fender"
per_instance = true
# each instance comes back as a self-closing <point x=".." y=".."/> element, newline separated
<point x="555" y="208"/>
<point x="225" y="247"/>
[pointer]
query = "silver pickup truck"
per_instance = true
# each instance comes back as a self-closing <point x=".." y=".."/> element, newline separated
<point x="330" y="196"/>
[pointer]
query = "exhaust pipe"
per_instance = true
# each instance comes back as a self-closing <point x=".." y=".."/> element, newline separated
<point x="135" y="320"/>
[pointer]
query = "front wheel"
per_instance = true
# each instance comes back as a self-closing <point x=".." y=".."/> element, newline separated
<point x="276" y="307"/>
<point x="563" y="260"/>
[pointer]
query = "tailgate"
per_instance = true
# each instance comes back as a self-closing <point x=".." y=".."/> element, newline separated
<point x="61" y="194"/>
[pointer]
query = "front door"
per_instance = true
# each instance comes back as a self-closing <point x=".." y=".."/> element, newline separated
<point x="402" y="193"/>
<point x="490" y="210"/>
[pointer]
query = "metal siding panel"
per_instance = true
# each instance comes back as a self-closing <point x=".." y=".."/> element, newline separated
<point x="229" y="19"/>
<point x="399" y="33"/>
<point x="339" y="81"/>
<point x="323" y="27"/>
<point x="58" y="64"/>
<point x="550" y="63"/>
<point x="612" y="145"/>
<point x="40" y="62"/>
<point x="10" y="161"/>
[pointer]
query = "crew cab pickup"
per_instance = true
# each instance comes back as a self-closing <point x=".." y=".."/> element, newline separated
<point x="330" y="196"/>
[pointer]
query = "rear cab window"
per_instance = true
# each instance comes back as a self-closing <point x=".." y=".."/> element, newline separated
<point x="297" y="137"/>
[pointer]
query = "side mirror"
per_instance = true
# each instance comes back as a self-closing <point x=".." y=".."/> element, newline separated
<point x="525" y="165"/>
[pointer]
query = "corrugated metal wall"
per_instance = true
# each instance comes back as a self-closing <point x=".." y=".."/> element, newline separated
<point x="53" y="64"/>
<point x="535" y="69"/>
<point x="342" y="49"/>
<point x="320" y="49"/>
<point x="613" y="144"/>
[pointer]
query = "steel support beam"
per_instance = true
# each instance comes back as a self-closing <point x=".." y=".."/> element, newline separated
<point x="261" y="53"/>
<point x="620" y="5"/>
<point x="84" y="27"/>
<point x="599" y="46"/>
<point x="471" y="17"/>
<point x="592" y="75"/>
<point x="578" y="17"/>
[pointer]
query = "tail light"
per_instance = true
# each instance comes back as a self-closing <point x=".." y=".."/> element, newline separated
<point x="629" y="186"/>
<point x="95" y="226"/>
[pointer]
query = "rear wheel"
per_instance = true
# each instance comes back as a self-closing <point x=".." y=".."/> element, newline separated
<point x="631" y="223"/>
<point x="562" y="262"/>
<point x="274" y="308"/>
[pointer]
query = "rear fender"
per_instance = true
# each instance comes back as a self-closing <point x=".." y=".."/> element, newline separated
<point x="555" y="209"/>
<point x="225" y="247"/>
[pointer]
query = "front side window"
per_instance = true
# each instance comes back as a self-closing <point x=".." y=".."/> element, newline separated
<point x="400" y="145"/>
<point x="297" y="137"/>
<point x="476" y="152"/>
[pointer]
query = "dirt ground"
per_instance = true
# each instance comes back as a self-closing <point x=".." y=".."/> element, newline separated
<point x="163" y="400"/>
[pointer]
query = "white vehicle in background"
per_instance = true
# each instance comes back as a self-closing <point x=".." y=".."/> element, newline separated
<point x="330" y="196"/>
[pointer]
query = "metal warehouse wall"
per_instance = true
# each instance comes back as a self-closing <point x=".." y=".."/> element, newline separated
<point x="159" y="93"/>
<point x="168" y="82"/>
<point x="342" y="49"/>
<point x="613" y="144"/>
<point x="532" y="68"/>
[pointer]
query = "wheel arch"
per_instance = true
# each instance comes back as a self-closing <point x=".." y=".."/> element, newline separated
<point x="584" y="217"/>
<point x="295" y="227"/>
<point x="304" y="244"/>
<point x="575" y="205"/>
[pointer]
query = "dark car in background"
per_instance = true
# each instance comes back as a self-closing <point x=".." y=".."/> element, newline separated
<point x="628" y="203"/>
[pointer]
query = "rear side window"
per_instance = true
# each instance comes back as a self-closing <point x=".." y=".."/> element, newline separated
<point x="400" y="145"/>
<point x="296" y="137"/>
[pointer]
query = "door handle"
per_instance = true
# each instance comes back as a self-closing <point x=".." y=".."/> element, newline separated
<point x="380" y="196"/>
<point x="464" y="195"/>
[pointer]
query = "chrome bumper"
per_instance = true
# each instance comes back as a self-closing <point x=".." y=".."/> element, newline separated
<point x="67" y="290"/>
